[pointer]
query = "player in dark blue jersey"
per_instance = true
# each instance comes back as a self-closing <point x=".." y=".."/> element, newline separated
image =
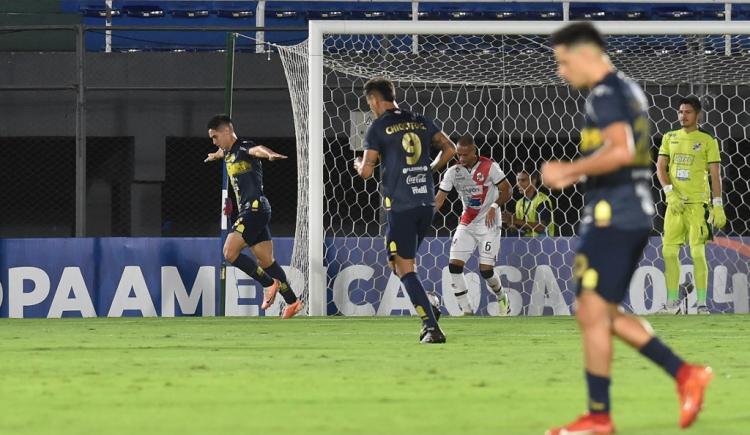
<point x="245" y="169"/>
<point x="401" y="141"/>
<point x="616" y="222"/>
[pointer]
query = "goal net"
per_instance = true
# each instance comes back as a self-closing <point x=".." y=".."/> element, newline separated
<point x="500" y="85"/>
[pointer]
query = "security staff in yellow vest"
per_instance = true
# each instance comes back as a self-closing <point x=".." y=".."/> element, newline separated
<point x="533" y="215"/>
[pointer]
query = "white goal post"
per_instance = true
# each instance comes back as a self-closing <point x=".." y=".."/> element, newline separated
<point x="317" y="281"/>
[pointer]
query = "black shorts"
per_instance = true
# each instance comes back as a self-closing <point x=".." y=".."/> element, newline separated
<point x="606" y="260"/>
<point x="406" y="230"/>
<point x="253" y="225"/>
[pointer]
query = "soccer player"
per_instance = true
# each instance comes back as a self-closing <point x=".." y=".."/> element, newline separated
<point x="615" y="225"/>
<point x="401" y="140"/>
<point x="483" y="189"/>
<point x="686" y="159"/>
<point x="243" y="159"/>
<point x="533" y="214"/>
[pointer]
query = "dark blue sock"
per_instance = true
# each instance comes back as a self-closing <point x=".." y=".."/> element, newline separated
<point x="419" y="298"/>
<point x="284" y="288"/>
<point x="598" y="393"/>
<point x="663" y="356"/>
<point x="247" y="265"/>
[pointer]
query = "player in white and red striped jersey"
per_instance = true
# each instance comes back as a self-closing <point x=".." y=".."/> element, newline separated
<point x="483" y="188"/>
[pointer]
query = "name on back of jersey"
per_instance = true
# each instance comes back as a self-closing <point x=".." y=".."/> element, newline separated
<point x="405" y="126"/>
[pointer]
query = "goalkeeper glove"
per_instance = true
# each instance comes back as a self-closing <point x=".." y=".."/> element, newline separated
<point x="716" y="217"/>
<point x="675" y="201"/>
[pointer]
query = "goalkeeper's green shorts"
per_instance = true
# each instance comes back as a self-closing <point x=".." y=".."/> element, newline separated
<point x="691" y="226"/>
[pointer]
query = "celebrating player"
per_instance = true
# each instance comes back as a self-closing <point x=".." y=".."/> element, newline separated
<point x="483" y="189"/>
<point x="686" y="157"/>
<point x="615" y="225"/>
<point x="399" y="139"/>
<point x="243" y="159"/>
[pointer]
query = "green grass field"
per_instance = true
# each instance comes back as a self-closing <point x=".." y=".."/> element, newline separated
<point x="347" y="376"/>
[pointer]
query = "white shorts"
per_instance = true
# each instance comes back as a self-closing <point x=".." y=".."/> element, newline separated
<point x="466" y="239"/>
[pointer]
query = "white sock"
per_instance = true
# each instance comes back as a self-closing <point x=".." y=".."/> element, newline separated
<point x="459" y="289"/>
<point x="494" y="283"/>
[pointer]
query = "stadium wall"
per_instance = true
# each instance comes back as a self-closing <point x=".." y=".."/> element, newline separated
<point x="143" y="99"/>
<point x="146" y="101"/>
<point x="179" y="276"/>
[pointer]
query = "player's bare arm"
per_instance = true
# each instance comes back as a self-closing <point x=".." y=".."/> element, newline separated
<point x="365" y="165"/>
<point x="505" y="189"/>
<point x="714" y="169"/>
<point x="662" y="170"/>
<point x="440" y="199"/>
<point x="263" y="152"/>
<point x="447" y="151"/>
<point x="617" y="151"/>
<point x="717" y="217"/>
<point x="218" y="155"/>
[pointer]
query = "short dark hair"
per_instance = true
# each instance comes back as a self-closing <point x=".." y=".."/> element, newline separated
<point x="382" y="86"/>
<point x="218" y="121"/>
<point x="532" y="173"/>
<point x="693" y="101"/>
<point x="466" y="139"/>
<point x="578" y="33"/>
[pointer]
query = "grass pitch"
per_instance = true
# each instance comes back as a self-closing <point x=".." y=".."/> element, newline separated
<point x="347" y="376"/>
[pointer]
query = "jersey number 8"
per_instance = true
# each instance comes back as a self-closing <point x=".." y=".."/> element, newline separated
<point x="413" y="147"/>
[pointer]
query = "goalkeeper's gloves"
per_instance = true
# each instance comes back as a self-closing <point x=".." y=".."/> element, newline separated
<point x="675" y="201"/>
<point x="716" y="217"/>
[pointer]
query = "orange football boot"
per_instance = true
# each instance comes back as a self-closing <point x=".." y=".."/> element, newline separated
<point x="292" y="309"/>
<point x="587" y="424"/>
<point x="692" y="381"/>
<point x="270" y="295"/>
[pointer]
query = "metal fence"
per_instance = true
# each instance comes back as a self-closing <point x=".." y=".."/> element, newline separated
<point x="112" y="144"/>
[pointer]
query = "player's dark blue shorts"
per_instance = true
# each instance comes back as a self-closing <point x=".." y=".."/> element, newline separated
<point x="406" y="229"/>
<point x="253" y="225"/>
<point x="606" y="260"/>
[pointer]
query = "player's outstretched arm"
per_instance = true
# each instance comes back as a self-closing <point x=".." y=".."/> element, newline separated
<point x="218" y="155"/>
<point x="447" y="151"/>
<point x="365" y="165"/>
<point x="262" y="152"/>
<point x="617" y="151"/>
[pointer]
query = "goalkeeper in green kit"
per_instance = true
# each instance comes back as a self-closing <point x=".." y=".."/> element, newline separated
<point x="687" y="157"/>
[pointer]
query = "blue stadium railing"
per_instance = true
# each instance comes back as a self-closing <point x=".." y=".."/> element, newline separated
<point x="296" y="14"/>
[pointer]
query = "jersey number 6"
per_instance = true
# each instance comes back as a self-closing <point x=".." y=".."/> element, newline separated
<point x="413" y="147"/>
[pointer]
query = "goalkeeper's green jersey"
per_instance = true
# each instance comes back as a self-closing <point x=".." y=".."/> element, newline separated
<point x="689" y="156"/>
